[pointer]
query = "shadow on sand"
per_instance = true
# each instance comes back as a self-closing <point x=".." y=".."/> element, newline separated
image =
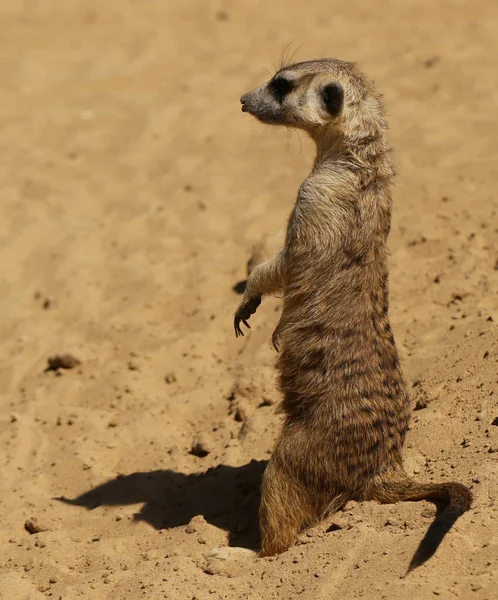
<point x="227" y="497"/>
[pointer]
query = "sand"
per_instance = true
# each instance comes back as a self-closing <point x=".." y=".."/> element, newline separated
<point x="132" y="190"/>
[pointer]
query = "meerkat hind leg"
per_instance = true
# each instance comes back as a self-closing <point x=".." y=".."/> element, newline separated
<point x="285" y="511"/>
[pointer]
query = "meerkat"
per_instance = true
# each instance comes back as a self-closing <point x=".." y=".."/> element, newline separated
<point x="346" y="408"/>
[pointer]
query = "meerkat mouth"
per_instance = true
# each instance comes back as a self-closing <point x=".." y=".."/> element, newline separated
<point x="263" y="116"/>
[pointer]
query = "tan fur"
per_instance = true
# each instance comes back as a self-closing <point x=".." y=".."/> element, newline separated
<point x="344" y="399"/>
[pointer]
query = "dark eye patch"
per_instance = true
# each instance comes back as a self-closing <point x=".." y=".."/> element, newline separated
<point x="333" y="98"/>
<point x="280" y="87"/>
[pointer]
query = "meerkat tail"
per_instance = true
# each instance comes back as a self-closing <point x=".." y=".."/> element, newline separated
<point x="456" y="496"/>
<point x="458" y="499"/>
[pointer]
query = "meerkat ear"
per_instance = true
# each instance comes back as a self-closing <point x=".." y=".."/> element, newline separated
<point x="333" y="98"/>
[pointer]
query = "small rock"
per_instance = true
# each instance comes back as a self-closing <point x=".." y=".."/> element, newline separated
<point x="32" y="526"/>
<point x="334" y="527"/>
<point x="234" y="565"/>
<point x="422" y="398"/>
<point x="391" y="523"/>
<point x="422" y="403"/>
<point x="170" y="378"/>
<point x="475" y="587"/>
<point x="493" y="449"/>
<point x="456" y="298"/>
<point x="199" y="447"/>
<point x="62" y="361"/>
<point x="132" y="366"/>
<point x="495" y="421"/>
<point x="266" y="402"/>
<point x="53" y="580"/>
<point x="196" y="524"/>
<point x="240" y="415"/>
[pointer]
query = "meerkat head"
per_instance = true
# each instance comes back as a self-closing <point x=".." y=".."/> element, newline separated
<point x="314" y="95"/>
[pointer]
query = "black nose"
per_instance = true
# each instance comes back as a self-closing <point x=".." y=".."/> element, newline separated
<point x="243" y="101"/>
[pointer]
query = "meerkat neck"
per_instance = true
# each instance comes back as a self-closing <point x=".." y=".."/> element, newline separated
<point x="329" y="147"/>
<point x="365" y="150"/>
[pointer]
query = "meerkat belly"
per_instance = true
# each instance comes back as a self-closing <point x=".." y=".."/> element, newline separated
<point x="343" y="394"/>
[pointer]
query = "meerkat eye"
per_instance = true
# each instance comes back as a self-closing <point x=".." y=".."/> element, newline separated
<point x="333" y="98"/>
<point x="280" y="87"/>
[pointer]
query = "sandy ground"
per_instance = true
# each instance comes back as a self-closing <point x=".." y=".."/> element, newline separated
<point x="131" y="192"/>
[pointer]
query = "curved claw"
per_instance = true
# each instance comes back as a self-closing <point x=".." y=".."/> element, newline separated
<point x="236" y="325"/>
<point x="243" y="314"/>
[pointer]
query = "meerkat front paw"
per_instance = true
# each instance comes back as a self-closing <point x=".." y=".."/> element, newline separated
<point x="245" y="310"/>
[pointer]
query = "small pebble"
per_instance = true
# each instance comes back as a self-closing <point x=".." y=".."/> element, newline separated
<point x="170" y="378"/>
<point x="196" y="524"/>
<point x="32" y="526"/>
<point x="62" y="361"/>
<point x="240" y="415"/>
<point x="267" y="401"/>
<point x="200" y="447"/>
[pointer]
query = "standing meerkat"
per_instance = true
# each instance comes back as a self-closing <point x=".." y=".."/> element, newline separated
<point x="345" y="403"/>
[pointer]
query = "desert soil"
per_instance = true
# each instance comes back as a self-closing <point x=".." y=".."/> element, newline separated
<point x="132" y="191"/>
